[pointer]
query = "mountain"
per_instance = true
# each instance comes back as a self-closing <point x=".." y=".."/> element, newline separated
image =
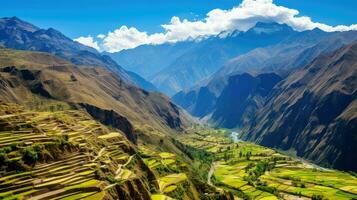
<point x="147" y="60"/>
<point x="185" y="63"/>
<point x="18" y="34"/>
<point x="282" y="58"/>
<point x="289" y="54"/>
<point x="35" y="79"/>
<point x="314" y="111"/>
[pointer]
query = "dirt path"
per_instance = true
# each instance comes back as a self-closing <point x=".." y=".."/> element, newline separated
<point x="100" y="153"/>
<point x="129" y="160"/>
<point x="211" y="172"/>
<point x="120" y="166"/>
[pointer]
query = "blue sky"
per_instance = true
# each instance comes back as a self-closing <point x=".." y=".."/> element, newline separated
<point x="91" y="17"/>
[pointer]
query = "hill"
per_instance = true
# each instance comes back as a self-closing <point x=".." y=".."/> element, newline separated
<point x="35" y="79"/>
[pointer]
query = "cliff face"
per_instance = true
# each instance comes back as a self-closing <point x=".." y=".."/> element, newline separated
<point x="241" y="98"/>
<point x="313" y="111"/>
<point x="111" y="118"/>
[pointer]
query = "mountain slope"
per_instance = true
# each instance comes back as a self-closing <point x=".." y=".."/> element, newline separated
<point x="313" y="111"/>
<point x="17" y="34"/>
<point x="241" y="98"/>
<point x="35" y="78"/>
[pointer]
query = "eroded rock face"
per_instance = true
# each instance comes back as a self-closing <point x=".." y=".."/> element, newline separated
<point x="111" y="118"/>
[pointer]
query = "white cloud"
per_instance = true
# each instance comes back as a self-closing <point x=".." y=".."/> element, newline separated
<point x="101" y="36"/>
<point x="242" y="17"/>
<point x="88" y="41"/>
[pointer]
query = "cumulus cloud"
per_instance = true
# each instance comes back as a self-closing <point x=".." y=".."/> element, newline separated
<point x="242" y="17"/>
<point x="88" y="41"/>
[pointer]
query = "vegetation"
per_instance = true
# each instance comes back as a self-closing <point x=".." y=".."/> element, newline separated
<point x="68" y="150"/>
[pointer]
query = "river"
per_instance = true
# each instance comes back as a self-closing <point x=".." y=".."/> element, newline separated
<point x="235" y="136"/>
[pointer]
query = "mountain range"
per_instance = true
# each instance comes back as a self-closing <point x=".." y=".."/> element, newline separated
<point x="175" y="67"/>
<point x="282" y="59"/>
<point x="18" y="34"/>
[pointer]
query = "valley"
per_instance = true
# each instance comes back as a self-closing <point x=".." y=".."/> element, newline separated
<point x="240" y="105"/>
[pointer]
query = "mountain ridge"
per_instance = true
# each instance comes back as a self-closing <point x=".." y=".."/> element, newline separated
<point x="180" y="68"/>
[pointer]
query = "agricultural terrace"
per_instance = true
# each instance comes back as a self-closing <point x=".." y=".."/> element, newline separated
<point x="59" y="155"/>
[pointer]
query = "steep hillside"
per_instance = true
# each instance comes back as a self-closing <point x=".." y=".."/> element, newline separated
<point x="35" y="79"/>
<point x="18" y="34"/>
<point x="313" y="112"/>
<point x="243" y="96"/>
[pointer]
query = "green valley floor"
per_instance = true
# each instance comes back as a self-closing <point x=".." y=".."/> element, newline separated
<point x="251" y="171"/>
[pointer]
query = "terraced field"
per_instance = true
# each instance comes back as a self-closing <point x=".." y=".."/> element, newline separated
<point x="250" y="171"/>
<point x="60" y="155"/>
<point x="167" y="169"/>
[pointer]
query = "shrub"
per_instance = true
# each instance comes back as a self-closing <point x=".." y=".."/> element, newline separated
<point x="6" y="149"/>
<point x="318" y="197"/>
<point x="3" y="158"/>
<point x="269" y="189"/>
<point x="62" y="142"/>
<point x="30" y="156"/>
